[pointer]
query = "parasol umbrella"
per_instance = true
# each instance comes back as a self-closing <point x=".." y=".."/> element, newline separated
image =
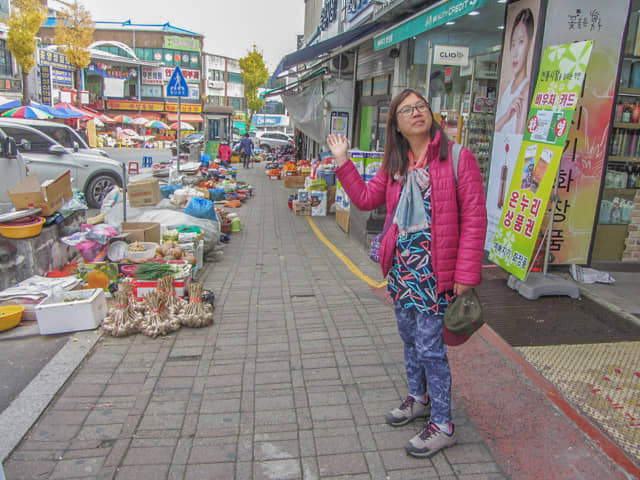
<point x="183" y="126"/>
<point x="157" y="124"/>
<point x="122" y="119"/>
<point x="140" y="121"/>
<point x="26" y="111"/>
<point x="9" y="104"/>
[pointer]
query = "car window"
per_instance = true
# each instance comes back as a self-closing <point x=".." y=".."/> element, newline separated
<point x="62" y="135"/>
<point x="38" y="143"/>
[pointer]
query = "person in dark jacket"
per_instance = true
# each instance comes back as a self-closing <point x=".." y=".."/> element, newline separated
<point x="431" y="251"/>
<point x="246" y="149"/>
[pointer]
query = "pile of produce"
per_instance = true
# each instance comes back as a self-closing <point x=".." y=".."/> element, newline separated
<point x="196" y="314"/>
<point x="290" y="167"/>
<point x="122" y="319"/>
<point x="174" y="303"/>
<point x="158" y="320"/>
<point x="274" y="172"/>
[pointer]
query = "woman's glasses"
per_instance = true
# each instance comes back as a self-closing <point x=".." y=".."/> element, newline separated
<point x="408" y="111"/>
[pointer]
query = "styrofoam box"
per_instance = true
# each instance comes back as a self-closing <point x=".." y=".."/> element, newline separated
<point x="71" y="311"/>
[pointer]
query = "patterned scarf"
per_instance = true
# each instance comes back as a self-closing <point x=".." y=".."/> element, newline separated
<point x="410" y="214"/>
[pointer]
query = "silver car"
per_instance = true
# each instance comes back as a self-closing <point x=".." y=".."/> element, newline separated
<point x="92" y="174"/>
<point x="13" y="170"/>
<point x="269" y="141"/>
<point x="61" y="133"/>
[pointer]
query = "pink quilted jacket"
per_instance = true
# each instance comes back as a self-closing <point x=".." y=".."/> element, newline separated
<point x="459" y="216"/>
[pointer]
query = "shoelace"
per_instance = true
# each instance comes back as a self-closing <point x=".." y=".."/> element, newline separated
<point x="408" y="402"/>
<point x="429" y="431"/>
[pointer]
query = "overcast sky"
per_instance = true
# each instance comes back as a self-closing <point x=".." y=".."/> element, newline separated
<point x="230" y="27"/>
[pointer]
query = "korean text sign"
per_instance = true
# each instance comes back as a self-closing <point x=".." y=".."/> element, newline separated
<point x="556" y="95"/>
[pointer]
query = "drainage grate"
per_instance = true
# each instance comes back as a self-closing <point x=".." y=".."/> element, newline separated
<point x="184" y="358"/>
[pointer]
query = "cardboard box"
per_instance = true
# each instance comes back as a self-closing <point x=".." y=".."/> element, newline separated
<point x="142" y="231"/>
<point x="318" y="203"/>
<point x="49" y="196"/>
<point x="342" y="219"/>
<point x="331" y="196"/>
<point x="71" y="311"/>
<point x="301" y="208"/>
<point x="144" y="193"/>
<point x="295" y="181"/>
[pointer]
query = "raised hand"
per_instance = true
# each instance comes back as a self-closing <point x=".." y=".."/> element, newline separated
<point x="338" y="144"/>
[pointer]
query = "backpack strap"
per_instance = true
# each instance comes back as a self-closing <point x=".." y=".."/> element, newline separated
<point x="455" y="156"/>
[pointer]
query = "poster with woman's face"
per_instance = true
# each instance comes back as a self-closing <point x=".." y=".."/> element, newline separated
<point x="518" y="47"/>
<point x="516" y="78"/>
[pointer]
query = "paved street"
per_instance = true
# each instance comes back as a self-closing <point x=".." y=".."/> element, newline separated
<point x="293" y="380"/>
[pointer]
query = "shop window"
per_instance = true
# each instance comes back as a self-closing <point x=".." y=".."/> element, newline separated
<point x="233" y="77"/>
<point x="214" y="129"/>
<point x="5" y="60"/>
<point x="380" y="85"/>
<point x="366" y="87"/>
<point x="133" y="91"/>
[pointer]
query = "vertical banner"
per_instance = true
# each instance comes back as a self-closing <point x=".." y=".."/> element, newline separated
<point x="45" y="85"/>
<point x="583" y="163"/>
<point x="521" y="26"/>
<point x="560" y="80"/>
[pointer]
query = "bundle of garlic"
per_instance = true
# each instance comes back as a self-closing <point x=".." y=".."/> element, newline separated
<point x="157" y="320"/>
<point x="121" y="319"/>
<point x="174" y="303"/>
<point x="196" y="314"/>
<point x="137" y="305"/>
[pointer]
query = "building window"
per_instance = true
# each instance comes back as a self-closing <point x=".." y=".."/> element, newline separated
<point x="6" y="68"/>
<point x="214" y="129"/>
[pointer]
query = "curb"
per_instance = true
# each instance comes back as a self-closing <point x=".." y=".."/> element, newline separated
<point x="26" y="408"/>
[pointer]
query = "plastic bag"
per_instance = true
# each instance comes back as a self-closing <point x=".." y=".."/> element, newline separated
<point x="201" y="208"/>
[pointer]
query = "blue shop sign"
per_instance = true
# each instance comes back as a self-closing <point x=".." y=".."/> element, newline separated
<point x="260" y="120"/>
<point x="355" y="8"/>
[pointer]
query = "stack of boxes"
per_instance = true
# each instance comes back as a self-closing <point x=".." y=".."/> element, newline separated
<point x="367" y="164"/>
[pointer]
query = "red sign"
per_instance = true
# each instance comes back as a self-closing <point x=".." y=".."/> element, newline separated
<point x="189" y="74"/>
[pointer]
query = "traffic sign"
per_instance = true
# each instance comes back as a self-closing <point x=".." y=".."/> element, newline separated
<point x="177" y="85"/>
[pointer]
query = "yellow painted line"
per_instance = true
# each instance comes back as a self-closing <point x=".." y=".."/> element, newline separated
<point x="350" y="265"/>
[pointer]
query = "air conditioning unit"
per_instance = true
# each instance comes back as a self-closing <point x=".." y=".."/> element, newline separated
<point x="341" y="64"/>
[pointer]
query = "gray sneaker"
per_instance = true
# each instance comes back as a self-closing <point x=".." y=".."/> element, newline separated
<point x="408" y="411"/>
<point x="429" y="441"/>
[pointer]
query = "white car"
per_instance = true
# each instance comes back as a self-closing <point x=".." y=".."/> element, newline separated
<point x="92" y="174"/>
<point x="269" y="141"/>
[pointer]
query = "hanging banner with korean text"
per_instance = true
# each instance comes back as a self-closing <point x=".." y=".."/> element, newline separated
<point x="560" y="80"/>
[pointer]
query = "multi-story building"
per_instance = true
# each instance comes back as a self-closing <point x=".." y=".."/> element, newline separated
<point x="131" y="65"/>
<point x="10" y="78"/>
<point x="223" y="99"/>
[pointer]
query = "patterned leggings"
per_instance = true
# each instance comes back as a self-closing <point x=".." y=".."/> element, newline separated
<point x="425" y="358"/>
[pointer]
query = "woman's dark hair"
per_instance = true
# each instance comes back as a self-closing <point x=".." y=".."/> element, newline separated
<point x="396" y="150"/>
<point x="525" y="16"/>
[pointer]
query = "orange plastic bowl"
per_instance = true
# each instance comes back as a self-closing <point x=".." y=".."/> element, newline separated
<point x="25" y="230"/>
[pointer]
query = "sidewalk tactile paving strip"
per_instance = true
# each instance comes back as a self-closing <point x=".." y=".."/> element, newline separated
<point x="602" y="380"/>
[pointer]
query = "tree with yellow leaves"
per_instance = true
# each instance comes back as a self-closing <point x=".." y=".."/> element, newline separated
<point x="25" y="19"/>
<point x="254" y="74"/>
<point x="74" y="34"/>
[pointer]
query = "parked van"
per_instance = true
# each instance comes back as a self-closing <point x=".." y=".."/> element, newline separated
<point x="13" y="170"/>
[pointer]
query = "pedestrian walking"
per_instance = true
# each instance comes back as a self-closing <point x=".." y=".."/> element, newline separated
<point x="246" y="149"/>
<point x="224" y="152"/>
<point x="431" y="251"/>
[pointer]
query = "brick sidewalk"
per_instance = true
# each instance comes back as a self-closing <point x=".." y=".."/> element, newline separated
<point x="292" y="381"/>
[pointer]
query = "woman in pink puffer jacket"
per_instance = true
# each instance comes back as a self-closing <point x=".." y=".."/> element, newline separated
<point x="431" y="251"/>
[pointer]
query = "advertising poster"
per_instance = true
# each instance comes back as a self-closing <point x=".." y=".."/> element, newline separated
<point x="516" y="70"/>
<point x="339" y="123"/>
<point x="560" y="80"/>
<point x="583" y="163"/>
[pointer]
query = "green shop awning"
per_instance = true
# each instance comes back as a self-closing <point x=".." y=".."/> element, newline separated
<point x="421" y="22"/>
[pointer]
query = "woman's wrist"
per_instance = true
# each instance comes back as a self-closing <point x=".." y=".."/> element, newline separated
<point x="340" y="160"/>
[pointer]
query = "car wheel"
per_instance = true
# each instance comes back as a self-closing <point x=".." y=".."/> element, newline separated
<point x="98" y="187"/>
<point x="266" y="148"/>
